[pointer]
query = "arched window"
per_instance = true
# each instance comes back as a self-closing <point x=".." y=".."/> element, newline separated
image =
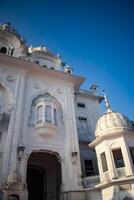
<point x="40" y="114"/>
<point x="55" y="116"/>
<point x="3" y="50"/>
<point x="48" y="114"/>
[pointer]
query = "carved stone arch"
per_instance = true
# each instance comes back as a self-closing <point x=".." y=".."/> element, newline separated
<point x="4" y="44"/>
<point x="6" y="40"/>
<point x="59" y="152"/>
<point x="46" y="150"/>
<point x="45" y="92"/>
<point x="44" y="164"/>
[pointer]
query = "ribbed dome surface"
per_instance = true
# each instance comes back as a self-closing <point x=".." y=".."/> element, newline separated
<point x="110" y="121"/>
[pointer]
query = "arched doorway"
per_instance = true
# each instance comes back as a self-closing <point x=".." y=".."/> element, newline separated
<point x="43" y="176"/>
<point x="13" y="197"/>
<point x="36" y="182"/>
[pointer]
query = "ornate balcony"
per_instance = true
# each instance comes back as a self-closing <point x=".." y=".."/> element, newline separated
<point x="46" y="129"/>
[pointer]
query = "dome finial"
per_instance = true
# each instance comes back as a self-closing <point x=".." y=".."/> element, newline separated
<point x="107" y="104"/>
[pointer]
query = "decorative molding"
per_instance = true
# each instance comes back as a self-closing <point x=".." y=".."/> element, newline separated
<point x="14" y="121"/>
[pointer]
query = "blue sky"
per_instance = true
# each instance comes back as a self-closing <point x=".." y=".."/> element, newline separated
<point x="96" y="37"/>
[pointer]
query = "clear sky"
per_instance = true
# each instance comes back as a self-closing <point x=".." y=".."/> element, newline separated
<point x="95" y="37"/>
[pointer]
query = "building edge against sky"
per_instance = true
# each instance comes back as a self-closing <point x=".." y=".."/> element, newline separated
<point x="46" y="124"/>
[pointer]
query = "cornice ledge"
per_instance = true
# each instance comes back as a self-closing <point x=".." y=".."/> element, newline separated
<point x="115" y="181"/>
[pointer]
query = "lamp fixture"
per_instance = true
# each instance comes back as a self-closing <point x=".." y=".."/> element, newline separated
<point x="20" y="151"/>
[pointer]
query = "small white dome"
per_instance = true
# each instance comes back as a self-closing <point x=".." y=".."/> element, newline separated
<point x="37" y="49"/>
<point x="110" y="122"/>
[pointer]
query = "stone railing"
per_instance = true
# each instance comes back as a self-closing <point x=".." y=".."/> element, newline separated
<point x="91" y="181"/>
<point x="121" y="172"/>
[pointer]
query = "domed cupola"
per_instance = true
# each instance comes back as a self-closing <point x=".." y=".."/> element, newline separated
<point x="111" y="121"/>
<point x="11" y="42"/>
<point x="44" y="57"/>
<point x="114" y="146"/>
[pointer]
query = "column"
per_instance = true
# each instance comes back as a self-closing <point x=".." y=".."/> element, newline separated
<point x="64" y="182"/>
<point x="77" y="163"/>
<point x="74" y="171"/>
<point x="10" y="161"/>
<point x="127" y="159"/>
<point x="110" y="161"/>
<point x="102" y="178"/>
<point x="22" y="167"/>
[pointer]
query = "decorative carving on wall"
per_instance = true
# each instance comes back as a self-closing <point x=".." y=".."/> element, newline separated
<point x="11" y="107"/>
<point x="42" y="98"/>
<point x="14" y="177"/>
<point x="10" y="78"/>
<point x="7" y="71"/>
<point x="14" y="125"/>
<point x="8" y="87"/>
<point x="15" y="187"/>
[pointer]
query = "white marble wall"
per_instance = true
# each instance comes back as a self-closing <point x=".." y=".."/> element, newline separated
<point x="24" y="87"/>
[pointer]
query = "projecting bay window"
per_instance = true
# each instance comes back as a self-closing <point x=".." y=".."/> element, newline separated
<point x="46" y="113"/>
<point x="118" y="158"/>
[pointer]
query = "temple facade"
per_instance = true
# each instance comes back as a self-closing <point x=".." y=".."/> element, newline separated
<point x="54" y="142"/>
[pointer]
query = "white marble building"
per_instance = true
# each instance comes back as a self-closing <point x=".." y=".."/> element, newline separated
<point x="46" y="124"/>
